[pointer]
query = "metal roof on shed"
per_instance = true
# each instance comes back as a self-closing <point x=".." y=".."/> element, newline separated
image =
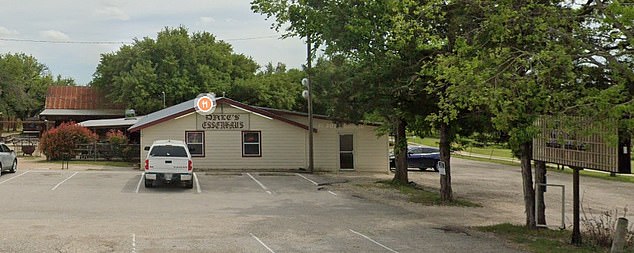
<point x="121" y="122"/>
<point x="77" y="98"/>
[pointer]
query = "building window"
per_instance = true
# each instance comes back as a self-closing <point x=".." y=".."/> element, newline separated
<point x="251" y="144"/>
<point x="196" y="143"/>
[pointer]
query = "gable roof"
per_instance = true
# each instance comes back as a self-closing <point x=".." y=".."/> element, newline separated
<point x="78" y="98"/>
<point x="187" y="107"/>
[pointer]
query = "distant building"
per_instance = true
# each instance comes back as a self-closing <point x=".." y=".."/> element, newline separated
<point x="78" y="103"/>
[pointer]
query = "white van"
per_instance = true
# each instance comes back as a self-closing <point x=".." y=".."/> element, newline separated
<point x="169" y="161"/>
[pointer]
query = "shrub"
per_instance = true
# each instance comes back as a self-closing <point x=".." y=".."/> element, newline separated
<point x="600" y="230"/>
<point x="60" y="142"/>
<point x="117" y="139"/>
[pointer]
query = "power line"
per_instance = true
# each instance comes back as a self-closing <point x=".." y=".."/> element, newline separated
<point x="64" y="41"/>
<point x="116" y="42"/>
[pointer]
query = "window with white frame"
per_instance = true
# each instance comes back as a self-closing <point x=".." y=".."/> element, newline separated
<point x="251" y="144"/>
<point x="195" y="142"/>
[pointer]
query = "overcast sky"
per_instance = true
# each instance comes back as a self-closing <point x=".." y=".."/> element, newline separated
<point x="122" y="21"/>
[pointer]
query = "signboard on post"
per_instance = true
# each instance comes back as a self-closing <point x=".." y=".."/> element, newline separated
<point x="583" y="144"/>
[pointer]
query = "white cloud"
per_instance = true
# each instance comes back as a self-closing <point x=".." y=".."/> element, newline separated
<point x="207" y="20"/>
<point x="111" y="12"/>
<point x="6" y="32"/>
<point x="54" y="35"/>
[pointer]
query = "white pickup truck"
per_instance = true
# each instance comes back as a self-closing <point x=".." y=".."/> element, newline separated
<point x="169" y="161"/>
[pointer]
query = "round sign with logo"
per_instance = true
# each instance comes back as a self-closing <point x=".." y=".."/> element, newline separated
<point x="205" y="104"/>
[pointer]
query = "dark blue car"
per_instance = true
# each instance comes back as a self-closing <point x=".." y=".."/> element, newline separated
<point x="419" y="157"/>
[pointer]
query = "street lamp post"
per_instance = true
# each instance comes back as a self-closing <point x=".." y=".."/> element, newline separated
<point x="163" y="92"/>
<point x="306" y="82"/>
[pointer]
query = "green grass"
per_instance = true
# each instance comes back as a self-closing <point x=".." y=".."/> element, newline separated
<point x="596" y="174"/>
<point x="100" y="163"/>
<point x="506" y="153"/>
<point x="423" y="196"/>
<point x="488" y="151"/>
<point x="432" y="142"/>
<point x="539" y="240"/>
<point x="480" y="159"/>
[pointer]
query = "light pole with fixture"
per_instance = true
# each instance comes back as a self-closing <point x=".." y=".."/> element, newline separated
<point x="163" y="98"/>
<point x="307" y="94"/>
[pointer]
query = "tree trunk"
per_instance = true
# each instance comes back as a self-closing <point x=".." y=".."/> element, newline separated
<point x="540" y="178"/>
<point x="527" y="181"/>
<point x="446" y="193"/>
<point x="400" y="152"/>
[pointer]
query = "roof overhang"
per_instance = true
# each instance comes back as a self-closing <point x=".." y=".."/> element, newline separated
<point x="79" y="112"/>
<point x="187" y="107"/>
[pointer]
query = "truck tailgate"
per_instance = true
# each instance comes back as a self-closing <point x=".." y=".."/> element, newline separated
<point x="168" y="165"/>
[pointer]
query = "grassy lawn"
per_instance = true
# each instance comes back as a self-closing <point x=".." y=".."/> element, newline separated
<point x="539" y="240"/>
<point x="488" y="151"/>
<point x="423" y="196"/>
<point x="506" y="153"/>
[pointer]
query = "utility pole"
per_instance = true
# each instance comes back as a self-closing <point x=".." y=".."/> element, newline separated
<point x="307" y="83"/>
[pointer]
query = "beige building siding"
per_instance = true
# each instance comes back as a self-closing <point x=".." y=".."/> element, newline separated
<point x="283" y="146"/>
<point x="370" y="150"/>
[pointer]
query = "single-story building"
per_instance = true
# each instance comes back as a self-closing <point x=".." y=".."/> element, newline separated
<point x="78" y="103"/>
<point x="240" y="136"/>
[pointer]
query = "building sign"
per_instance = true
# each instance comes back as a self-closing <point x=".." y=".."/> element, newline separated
<point x="578" y="142"/>
<point x="223" y="122"/>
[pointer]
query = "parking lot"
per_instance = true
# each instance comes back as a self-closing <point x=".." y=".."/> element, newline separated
<point x="111" y="211"/>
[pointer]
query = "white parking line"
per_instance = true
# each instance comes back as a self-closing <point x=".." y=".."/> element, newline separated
<point x="138" y="186"/>
<point x="133" y="243"/>
<point x="261" y="185"/>
<point x="60" y="183"/>
<point x="315" y="183"/>
<point x="260" y="241"/>
<point x="14" y="177"/>
<point x="332" y="193"/>
<point x="197" y="184"/>
<point x="370" y="239"/>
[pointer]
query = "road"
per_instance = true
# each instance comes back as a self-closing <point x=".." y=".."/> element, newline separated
<point x="499" y="189"/>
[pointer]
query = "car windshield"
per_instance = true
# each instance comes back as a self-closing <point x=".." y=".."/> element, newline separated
<point x="422" y="150"/>
<point x="171" y="151"/>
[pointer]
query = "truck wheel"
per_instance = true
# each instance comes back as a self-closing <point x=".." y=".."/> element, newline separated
<point x="189" y="184"/>
<point x="148" y="183"/>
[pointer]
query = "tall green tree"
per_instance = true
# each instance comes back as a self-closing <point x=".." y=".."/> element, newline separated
<point x="23" y="85"/>
<point x="383" y="65"/>
<point x="177" y="63"/>
<point x="521" y="61"/>
<point x="273" y="87"/>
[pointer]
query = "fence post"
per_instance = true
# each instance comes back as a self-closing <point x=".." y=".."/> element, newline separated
<point x="618" y="242"/>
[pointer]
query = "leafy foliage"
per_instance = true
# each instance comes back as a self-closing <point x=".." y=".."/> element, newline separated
<point x="177" y="63"/>
<point x="23" y="85"/>
<point x="60" y="142"/>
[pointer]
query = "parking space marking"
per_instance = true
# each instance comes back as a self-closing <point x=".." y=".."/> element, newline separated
<point x="308" y="179"/>
<point x="261" y="185"/>
<point x="375" y="242"/>
<point x="133" y="243"/>
<point x="332" y="193"/>
<point x="138" y="186"/>
<point x="60" y="183"/>
<point x="15" y="177"/>
<point x="197" y="183"/>
<point x="261" y="242"/>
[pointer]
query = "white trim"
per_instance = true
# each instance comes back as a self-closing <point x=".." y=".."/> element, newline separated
<point x="242" y="109"/>
<point x="183" y="116"/>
